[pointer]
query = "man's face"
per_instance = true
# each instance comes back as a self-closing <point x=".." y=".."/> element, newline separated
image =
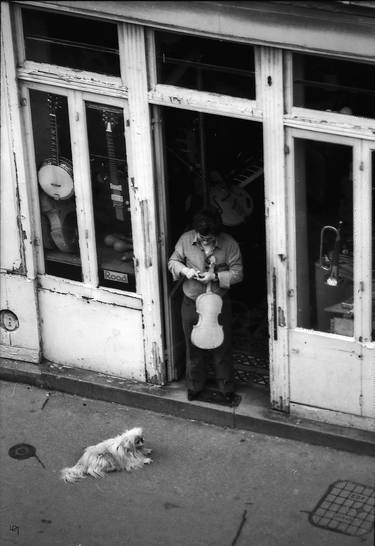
<point x="204" y="227"/>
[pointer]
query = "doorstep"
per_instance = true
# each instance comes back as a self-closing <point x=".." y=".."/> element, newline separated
<point x="252" y="414"/>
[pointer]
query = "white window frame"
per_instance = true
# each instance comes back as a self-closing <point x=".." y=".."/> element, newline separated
<point x="359" y="133"/>
<point x="77" y="88"/>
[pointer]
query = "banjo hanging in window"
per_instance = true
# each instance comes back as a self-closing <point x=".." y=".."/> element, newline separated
<point x="55" y="178"/>
<point x="56" y="173"/>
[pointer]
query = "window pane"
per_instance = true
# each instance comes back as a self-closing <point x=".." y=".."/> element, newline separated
<point x="333" y="85"/>
<point x="71" y="41"/>
<point x="53" y="156"/>
<point x="324" y="236"/>
<point x="109" y="178"/>
<point x="206" y="64"/>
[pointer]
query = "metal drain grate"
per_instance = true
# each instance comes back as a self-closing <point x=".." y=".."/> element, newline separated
<point x="347" y="508"/>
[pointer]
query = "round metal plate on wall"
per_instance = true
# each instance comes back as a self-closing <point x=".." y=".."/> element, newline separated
<point x="8" y="320"/>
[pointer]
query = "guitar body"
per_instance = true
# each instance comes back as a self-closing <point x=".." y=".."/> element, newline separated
<point x="61" y="215"/>
<point x="234" y="203"/>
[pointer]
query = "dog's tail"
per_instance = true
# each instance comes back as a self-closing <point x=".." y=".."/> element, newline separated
<point x="72" y="474"/>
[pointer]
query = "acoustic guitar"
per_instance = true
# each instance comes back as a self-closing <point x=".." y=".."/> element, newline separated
<point x="234" y="203"/>
<point x="62" y="226"/>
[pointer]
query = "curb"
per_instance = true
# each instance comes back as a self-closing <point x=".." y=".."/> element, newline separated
<point x="107" y="388"/>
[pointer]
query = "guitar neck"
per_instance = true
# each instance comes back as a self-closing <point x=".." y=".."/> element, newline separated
<point x="111" y="157"/>
<point x="54" y="145"/>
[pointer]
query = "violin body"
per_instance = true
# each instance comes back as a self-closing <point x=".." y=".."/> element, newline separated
<point x="208" y="333"/>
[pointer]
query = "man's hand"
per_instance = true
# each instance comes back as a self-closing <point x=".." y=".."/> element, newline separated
<point x="190" y="273"/>
<point x="206" y="277"/>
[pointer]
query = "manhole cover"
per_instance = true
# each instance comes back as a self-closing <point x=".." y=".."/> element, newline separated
<point x="347" y="508"/>
<point x="22" y="451"/>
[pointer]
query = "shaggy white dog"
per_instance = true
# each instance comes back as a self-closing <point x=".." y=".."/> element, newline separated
<point x="124" y="452"/>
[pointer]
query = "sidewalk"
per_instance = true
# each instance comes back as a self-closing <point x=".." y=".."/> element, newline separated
<point x="252" y="414"/>
<point x="207" y="486"/>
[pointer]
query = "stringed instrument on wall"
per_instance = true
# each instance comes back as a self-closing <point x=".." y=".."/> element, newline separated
<point x="116" y="176"/>
<point x="227" y="193"/>
<point x="234" y="203"/>
<point x="55" y="176"/>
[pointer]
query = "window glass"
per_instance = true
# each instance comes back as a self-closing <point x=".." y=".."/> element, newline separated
<point x="70" y="41"/>
<point x="53" y="157"/>
<point x="206" y="64"/>
<point x="333" y="85"/>
<point x="324" y="236"/>
<point x="109" y="178"/>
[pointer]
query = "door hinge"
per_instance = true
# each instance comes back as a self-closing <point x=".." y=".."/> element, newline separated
<point x="361" y="400"/>
<point x="281" y="317"/>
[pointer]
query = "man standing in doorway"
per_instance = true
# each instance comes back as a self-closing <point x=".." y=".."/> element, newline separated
<point x="191" y="259"/>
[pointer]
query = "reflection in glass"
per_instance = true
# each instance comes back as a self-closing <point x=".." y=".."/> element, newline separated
<point x="333" y="85"/>
<point x="206" y="64"/>
<point x="64" y="40"/>
<point x="324" y="236"/>
<point x="53" y="155"/>
<point x="109" y="178"/>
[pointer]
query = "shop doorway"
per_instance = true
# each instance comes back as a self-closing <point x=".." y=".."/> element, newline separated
<point x="216" y="160"/>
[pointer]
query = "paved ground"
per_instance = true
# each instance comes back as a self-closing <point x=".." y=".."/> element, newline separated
<point x="207" y="485"/>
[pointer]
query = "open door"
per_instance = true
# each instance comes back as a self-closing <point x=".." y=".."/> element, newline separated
<point x="206" y="159"/>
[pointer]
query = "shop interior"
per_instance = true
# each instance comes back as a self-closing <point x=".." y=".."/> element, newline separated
<point x="219" y="161"/>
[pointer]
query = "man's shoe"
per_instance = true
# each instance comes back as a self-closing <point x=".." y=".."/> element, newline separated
<point x="230" y="397"/>
<point x="192" y="395"/>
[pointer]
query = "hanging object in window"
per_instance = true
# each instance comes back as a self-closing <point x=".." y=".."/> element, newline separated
<point x="56" y="173"/>
<point x="330" y="261"/>
<point x="115" y="177"/>
<point x="56" y="180"/>
<point x="235" y="204"/>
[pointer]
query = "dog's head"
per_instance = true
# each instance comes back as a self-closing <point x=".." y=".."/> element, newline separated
<point x="133" y="438"/>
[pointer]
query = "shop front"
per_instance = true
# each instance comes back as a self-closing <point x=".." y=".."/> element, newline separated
<point x="120" y="120"/>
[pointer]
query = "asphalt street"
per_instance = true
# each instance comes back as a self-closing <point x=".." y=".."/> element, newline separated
<point x="207" y="486"/>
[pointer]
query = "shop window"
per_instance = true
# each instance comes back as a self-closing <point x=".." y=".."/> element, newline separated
<point x="334" y="85"/>
<point x="324" y="236"/>
<point x="53" y="158"/>
<point x="206" y="64"/>
<point x="70" y="41"/>
<point x="109" y="178"/>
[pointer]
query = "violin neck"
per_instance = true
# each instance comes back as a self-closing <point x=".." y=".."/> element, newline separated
<point x="210" y="270"/>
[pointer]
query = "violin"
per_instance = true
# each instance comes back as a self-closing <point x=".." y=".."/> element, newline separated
<point x="208" y="333"/>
